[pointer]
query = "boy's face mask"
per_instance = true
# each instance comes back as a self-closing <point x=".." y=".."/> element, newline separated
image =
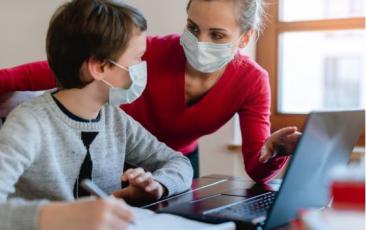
<point x="138" y="74"/>
<point x="204" y="56"/>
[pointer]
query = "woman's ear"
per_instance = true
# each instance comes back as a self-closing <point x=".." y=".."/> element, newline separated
<point x="246" y="39"/>
<point x="96" y="68"/>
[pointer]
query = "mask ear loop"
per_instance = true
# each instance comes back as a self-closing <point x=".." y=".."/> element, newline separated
<point x="120" y="66"/>
<point x="105" y="82"/>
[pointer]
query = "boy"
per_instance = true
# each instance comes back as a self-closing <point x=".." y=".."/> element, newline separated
<point x="50" y="144"/>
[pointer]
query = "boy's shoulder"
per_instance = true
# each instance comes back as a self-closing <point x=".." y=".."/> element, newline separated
<point x="33" y="105"/>
<point x="9" y="101"/>
<point x="115" y="113"/>
<point x="118" y="117"/>
<point x="31" y="113"/>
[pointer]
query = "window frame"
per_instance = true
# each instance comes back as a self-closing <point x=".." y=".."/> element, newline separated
<point x="267" y="55"/>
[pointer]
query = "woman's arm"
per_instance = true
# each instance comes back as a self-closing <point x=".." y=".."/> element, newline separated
<point x="255" y="129"/>
<point x="37" y="76"/>
<point x="28" y="77"/>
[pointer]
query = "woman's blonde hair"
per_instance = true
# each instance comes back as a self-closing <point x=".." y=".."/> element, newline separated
<point x="250" y="13"/>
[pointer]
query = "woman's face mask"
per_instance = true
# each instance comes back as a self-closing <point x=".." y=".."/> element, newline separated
<point x="138" y="74"/>
<point x="204" y="56"/>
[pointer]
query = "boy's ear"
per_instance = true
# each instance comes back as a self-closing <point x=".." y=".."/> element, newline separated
<point x="245" y="39"/>
<point x="96" y="68"/>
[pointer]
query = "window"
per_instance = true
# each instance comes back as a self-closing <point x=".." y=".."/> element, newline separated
<point x="290" y="10"/>
<point x="314" y="53"/>
<point x="330" y="74"/>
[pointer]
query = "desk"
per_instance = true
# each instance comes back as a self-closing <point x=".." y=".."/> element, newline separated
<point x="212" y="185"/>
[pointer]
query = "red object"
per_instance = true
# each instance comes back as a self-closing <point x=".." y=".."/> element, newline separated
<point x="297" y="225"/>
<point x="243" y="89"/>
<point x="29" y="77"/>
<point x="348" y="195"/>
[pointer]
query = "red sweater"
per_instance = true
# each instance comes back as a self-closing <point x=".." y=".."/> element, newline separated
<point x="243" y="89"/>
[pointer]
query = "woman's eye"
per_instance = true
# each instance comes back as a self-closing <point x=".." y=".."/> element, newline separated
<point x="216" y="36"/>
<point x="193" y="29"/>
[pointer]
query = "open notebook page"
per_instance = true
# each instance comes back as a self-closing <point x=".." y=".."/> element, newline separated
<point x="147" y="219"/>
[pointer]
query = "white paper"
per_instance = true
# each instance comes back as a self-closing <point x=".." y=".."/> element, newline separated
<point x="147" y="219"/>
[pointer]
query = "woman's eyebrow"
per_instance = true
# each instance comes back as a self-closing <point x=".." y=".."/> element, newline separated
<point x="218" y="29"/>
<point x="211" y="29"/>
<point x="192" y="22"/>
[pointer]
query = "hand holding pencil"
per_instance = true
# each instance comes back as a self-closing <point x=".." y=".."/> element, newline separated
<point x="107" y="213"/>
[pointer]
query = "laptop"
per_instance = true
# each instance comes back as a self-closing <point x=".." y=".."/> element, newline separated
<point x="327" y="141"/>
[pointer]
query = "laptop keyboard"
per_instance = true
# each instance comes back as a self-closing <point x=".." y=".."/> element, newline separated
<point x="249" y="209"/>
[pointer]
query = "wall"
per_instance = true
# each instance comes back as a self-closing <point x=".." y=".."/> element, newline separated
<point x="163" y="16"/>
<point x="23" y="26"/>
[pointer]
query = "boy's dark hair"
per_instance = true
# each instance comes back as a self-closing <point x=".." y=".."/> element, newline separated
<point x="82" y="29"/>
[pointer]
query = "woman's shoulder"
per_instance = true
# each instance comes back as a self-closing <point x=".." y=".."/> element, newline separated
<point x="245" y="72"/>
<point x="162" y="45"/>
<point x="170" y="39"/>
<point x="245" y="64"/>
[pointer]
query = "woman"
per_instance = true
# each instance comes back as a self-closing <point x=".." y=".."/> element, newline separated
<point x="196" y="83"/>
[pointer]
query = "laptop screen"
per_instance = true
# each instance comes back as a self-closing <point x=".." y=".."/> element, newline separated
<point x="327" y="140"/>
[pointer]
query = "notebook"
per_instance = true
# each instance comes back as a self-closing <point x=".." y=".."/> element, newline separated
<point x="147" y="219"/>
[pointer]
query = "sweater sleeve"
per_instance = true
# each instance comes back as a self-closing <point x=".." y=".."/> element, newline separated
<point x="16" y="155"/>
<point x="170" y="168"/>
<point x="255" y="128"/>
<point x="28" y="77"/>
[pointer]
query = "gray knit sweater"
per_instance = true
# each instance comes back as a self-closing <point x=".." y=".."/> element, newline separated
<point x="41" y="153"/>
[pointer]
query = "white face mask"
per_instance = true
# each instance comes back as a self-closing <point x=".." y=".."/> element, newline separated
<point x="204" y="56"/>
<point x="138" y="74"/>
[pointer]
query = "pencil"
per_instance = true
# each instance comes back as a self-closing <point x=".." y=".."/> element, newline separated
<point x="96" y="191"/>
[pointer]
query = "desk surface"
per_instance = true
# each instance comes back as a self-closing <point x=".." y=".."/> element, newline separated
<point x="212" y="185"/>
<point x="209" y="186"/>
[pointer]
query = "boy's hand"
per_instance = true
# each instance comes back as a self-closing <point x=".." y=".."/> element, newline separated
<point x="142" y="186"/>
<point x="100" y="214"/>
